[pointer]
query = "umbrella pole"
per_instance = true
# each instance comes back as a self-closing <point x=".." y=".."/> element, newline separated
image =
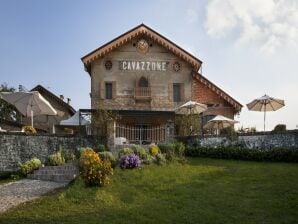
<point x="32" y="118"/>
<point x="264" y="118"/>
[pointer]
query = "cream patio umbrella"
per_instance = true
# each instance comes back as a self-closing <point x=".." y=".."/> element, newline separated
<point x="220" y="122"/>
<point x="191" y="107"/>
<point x="29" y="103"/>
<point x="265" y="103"/>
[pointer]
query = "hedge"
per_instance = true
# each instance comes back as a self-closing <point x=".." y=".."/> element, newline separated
<point x="242" y="153"/>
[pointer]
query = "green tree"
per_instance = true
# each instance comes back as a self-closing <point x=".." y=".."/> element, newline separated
<point x="187" y="125"/>
<point x="8" y="111"/>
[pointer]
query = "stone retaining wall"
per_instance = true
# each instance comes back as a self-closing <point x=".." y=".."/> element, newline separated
<point x="18" y="148"/>
<point x="266" y="140"/>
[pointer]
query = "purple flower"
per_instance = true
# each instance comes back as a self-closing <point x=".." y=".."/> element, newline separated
<point x="130" y="161"/>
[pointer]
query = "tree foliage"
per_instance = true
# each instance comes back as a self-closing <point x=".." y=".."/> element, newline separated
<point x="8" y="111"/>
<point x="186" y="125"/>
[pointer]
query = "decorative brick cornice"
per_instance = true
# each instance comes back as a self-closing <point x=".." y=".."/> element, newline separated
<point x="141" y="30"/>
<point x="222" y="94"/>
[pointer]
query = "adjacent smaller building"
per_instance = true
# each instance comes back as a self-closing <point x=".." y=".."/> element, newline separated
<point x="48" y="123"/>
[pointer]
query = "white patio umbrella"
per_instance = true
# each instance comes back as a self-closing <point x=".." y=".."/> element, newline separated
<point x="265" y="103"/>
<point x="29" y="103"/>
<point x="220" y="122"/>
<point x="191" y="107"/>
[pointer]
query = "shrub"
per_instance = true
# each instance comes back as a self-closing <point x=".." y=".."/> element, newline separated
<point x="130" y="161"/>
<point x="85" y="149"/>
<point x="56" y="159"/>
<point x="279" y="128"/>
<point x="100" y="148"/>
<point x="230" y="133"/>
<point x="30" y="166"/>
<point x="29" y="130"/>
<point x="141" y="152"/>
<point x="172" y="150"/>
<point x="241" y="153"/>
<point x="95" y="172"/>
<point x="160" y="159"/>
<point x="179" y="149"/>
<point x="125" y="151"/>
<point x="68" y="155"/>
<point x="149" y="159"/>
<point x="108" y="156"/>
<point x="153" y="149"/>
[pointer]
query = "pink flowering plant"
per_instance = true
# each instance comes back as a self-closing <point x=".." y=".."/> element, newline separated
<point x="130" y="161"/>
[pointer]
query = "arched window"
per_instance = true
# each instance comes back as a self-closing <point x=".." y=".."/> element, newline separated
<point x="143" y="82"/>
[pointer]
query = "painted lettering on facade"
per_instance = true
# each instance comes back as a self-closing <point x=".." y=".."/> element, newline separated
<point x="143" y="65"/>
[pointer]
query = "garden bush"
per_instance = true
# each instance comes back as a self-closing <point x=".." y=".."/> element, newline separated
<point x="100" y="148"/>
<point x="108" y="156"/>
<point x="279" y="128"/>
<point x="30" y="166"/>
<point x="153" y="150"/>
<point x="95" y="171"/>
<point x="29" y="130"/>
<point x="68" y="155"/>
<point x="242" y="153"/>
<point x="149" y="159"/>
<point x="160" y="159"/>
<point x="230" y="133"/>
<point x="140" y="152"/>
<point x="85" y="149"/>
<point x="125" y="152"/>
<point x="172" y="150"/>
<point x="56" y="159"/>
<point x="130" y="161"/>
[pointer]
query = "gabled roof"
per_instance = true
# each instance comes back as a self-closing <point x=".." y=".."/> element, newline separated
<point x="43" y="90"/>
<point x="222" y="94"/>
<point x="140" y="30"/>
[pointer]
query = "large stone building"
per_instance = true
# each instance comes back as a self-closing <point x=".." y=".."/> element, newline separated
<point x="145" y="77"/>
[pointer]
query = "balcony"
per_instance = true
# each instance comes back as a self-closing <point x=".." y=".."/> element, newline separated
<point x="143" y="93"/>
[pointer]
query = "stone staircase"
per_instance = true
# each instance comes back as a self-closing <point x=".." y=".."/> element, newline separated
<point x="63" y="173"/>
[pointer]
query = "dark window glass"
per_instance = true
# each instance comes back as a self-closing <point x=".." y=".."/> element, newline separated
<point x="109" y="91"/>
<point x="143" y="82"/>
<point x="176" y="92"/>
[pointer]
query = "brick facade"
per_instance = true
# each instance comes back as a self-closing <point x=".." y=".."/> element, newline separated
<point x="216" y="105"/>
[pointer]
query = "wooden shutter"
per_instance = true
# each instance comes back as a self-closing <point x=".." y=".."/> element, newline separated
<point x="182" y="92"/>
<point x="170" y="92"/>
<point x="114" y="90"/>
<point x="102" y="90"/>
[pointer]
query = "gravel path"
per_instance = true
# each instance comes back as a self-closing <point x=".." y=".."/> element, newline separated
<point x="15" y="193"/>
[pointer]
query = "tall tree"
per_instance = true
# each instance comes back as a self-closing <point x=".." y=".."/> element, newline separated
<point x="8" y="111"/>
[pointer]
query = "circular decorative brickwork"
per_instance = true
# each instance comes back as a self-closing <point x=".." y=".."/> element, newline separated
<point x="142" y="46"/>
<point x="176" y="66"/>
<point x="108" y="65"/>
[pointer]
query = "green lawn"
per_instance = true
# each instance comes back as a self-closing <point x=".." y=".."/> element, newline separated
<point x="201" y="191"/>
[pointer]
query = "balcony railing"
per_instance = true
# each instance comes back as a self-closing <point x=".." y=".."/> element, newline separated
<point x="142" y="93"/>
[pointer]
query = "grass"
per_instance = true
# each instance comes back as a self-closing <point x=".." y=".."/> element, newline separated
<point x="201" y="191"/>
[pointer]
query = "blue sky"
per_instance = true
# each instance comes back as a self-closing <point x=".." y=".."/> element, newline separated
<point x="250" y="51"/>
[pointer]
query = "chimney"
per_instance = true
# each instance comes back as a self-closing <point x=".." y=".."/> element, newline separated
<point x="68" y="100"/>
<point x="61" y="97"/>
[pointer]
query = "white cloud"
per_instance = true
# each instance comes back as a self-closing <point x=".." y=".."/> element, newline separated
<point x="269" y="23"/>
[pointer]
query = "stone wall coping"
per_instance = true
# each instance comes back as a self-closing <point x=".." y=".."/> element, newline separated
<point x="295" y="131"/>
<point x="42" y="134"/>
